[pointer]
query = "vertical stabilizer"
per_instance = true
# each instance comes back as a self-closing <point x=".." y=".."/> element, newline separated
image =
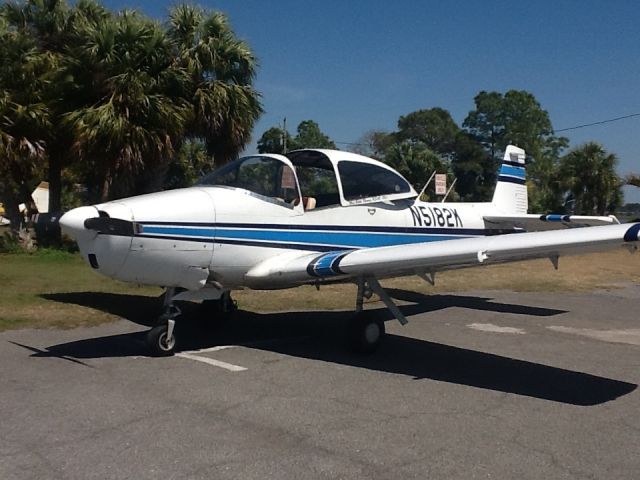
<point x="510" y="195"/>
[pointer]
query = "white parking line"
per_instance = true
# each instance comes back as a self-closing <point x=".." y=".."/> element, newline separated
<point x="191" y="355"/>
<point x="490" y="327"/>
<point x="211" y="361"/>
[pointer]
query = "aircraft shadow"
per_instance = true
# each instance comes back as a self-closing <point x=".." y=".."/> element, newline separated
<point x="143" y="310"/>
<point x="317" y="335"/>
<point x="138" y="309"/>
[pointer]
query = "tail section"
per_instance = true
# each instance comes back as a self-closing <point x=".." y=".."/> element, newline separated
<point x="510" y="195"/>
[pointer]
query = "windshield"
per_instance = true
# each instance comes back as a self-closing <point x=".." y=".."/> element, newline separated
<point x="264" y="176"/>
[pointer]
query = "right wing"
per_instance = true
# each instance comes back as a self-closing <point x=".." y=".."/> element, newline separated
<point x="296" y="268"/>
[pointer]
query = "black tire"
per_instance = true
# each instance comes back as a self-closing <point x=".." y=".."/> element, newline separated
<point x="365" y="333"/>
<point x="157" y="341"/>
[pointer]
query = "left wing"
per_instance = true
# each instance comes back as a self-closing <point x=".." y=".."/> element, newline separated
<point x="295" y="268"/>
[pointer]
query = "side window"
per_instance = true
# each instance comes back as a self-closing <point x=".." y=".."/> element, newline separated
<point x="362" y="180"/>
<point x="319" y="183"/>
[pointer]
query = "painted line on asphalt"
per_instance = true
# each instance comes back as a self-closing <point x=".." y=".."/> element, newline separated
<point x="491" y="328"/>
<point x="212" y="361"/>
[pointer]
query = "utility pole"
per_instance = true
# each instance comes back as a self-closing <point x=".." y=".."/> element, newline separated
<point x="284" y="135"/>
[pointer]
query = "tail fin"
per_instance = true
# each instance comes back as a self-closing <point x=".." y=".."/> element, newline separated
<point x="510" y="195"/>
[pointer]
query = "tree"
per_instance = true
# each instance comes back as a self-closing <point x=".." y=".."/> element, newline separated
<point x="48" y="24"/>
<point x="310" y="136"/>
<point x="433" y="127"/>
<point x="190" y="163"/>
<point x="135" y="115"/>
<point x="590" y="181"/>
<point x="126" y="91"/>
<point x="415" y="161"/>
<point x="221" y="69"/>
<point x="517" y="118"/>
<point x="474" y="169"/>
<point x="272" y="141"/>
<point x="374" y="144"/>
<point x="24" y="117"/>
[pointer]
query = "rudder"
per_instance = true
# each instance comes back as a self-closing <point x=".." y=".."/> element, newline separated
<point x="510" y="195"/>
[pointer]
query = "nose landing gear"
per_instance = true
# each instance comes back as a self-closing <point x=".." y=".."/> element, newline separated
<point x="160" y="339"/>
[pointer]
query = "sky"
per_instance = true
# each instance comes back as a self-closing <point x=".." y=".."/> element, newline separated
<point x="355" y="66"/>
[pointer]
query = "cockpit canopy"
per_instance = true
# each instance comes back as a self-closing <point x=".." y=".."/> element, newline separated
<point x="327" y="177"/>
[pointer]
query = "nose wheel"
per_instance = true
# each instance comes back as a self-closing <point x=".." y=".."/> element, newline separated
<point x="161" y="339"/>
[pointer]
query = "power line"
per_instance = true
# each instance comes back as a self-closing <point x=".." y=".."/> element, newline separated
<point x="601" y="122"/>
<point x="598" y="123"/>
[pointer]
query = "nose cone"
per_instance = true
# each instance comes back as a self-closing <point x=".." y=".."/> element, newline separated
<point x="72" y="223"/>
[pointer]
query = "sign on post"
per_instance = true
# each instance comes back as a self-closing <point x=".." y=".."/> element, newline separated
<point x="441" y="184"/>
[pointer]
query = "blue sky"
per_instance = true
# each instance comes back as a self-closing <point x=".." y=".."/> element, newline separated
<point x="355" y="66"/>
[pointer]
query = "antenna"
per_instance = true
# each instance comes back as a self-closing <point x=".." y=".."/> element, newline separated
<point x="450" y="188"/>
<point x="427" y="184"/>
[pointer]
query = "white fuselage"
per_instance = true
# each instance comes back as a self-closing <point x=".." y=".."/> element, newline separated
<point x="188" y="237"/>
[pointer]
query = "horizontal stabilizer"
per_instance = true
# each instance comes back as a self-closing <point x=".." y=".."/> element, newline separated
<point x="536" y="222"/>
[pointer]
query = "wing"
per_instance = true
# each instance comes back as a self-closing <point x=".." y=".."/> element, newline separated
<point x="534" y="222"/>
<point x="296" y="268"/>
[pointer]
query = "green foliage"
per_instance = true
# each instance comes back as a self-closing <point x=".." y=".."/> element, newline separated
<point x="474" y="169"/>
<point x="190" y="163"/>
<point x="632" y="179"/>
<point x="110" y="97"/>
<point x="375" y="143"/>
<point x="272" y="141"/>
<point x="24" y="116"/>
<point x="308" y="135"/>
<point x="415" y="161"/>
<point x="517" y="118"/>
<point x="589" y="179"/>
<point x="433" y="127"/>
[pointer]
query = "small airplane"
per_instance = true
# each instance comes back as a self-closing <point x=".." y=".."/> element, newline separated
<point x="316" y="217"/>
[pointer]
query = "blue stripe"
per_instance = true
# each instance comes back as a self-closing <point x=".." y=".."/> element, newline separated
<point x="339" y="228"/>
<point x="340" y="239"/>
<point x="323" y="266"/>
<point x="512" y="171"/>
<point x="517" y="181"/>
<point x="555" y="217"/>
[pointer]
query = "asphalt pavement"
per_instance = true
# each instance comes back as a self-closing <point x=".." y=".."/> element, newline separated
<point x="478" y="385"/>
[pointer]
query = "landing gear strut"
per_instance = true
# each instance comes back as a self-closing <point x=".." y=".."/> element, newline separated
<point x="366" y="333"/>
<point x="161" y="339"/>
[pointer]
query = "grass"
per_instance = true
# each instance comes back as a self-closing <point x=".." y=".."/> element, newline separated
<point x="53" y="289"/>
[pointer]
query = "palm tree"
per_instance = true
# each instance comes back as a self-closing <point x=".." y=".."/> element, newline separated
<point x="24" y="117"/>
<point x="47" y="23"/>
<point x="589" y="178"/>
<point x="221" y="69"/>
<point x="134" y="114"/>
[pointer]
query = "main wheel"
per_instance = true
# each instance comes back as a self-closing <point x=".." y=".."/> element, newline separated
<point x="160" y="345"/>
<point x="365" y="333"/>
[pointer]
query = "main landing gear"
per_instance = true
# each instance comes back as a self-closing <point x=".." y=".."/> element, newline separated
<point x="365" y="332"/>
<point x="161" y="339"/>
